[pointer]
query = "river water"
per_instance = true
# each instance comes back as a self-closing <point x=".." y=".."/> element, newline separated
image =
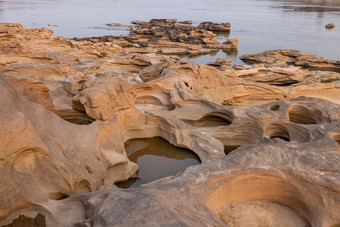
<point x="259" y="24"/>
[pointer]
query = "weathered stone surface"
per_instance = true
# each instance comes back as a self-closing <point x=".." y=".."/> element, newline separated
<point x="293" y="57"/>
<point x="44" y="159"/>
<point x="170" y="36"/>
<point x="267" y="134"/>
<point x="211" y="26"/>
<point x="104" y="97"/>
<point x="221" y="63"/>
<point x="288" y="176"/>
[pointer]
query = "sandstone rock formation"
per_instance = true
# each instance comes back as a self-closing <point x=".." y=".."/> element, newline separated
<point x="293" y="57"/>
<point x="169" y="36"/>
<point x="268" y="134"/>
<point x="330" y="26"/>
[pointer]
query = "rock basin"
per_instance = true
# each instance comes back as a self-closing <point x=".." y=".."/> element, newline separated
<point x="156" y="159"/>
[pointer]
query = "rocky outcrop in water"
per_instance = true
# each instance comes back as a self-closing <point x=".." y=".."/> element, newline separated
<point x="292" y="57"/>
<point x="169" y="36"/>
<point x="330" y="26"/>
<point x="267" y="134"/>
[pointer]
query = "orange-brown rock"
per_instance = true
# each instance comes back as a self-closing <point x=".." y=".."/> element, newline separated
<point x="170" y="36"/>
<point x="267" y="134"/>
<point x="330" y="26"/>
<point x="293" y="57"/>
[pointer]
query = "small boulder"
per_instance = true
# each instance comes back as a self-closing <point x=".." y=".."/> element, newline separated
<point x="330" y="26"/>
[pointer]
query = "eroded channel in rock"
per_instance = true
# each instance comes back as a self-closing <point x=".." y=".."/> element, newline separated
<point x="156" y="159"/>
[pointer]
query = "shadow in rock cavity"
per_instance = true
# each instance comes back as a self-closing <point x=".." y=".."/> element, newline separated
<point x="156" y="158"/>
<point x="38" y="221"/>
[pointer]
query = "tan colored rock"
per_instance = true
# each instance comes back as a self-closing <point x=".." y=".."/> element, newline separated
<point x="330" y="26"/>
<point x="106" y="96"/>
<point x="292" y="57"/>
<point x="221" y="63"/>
<point x="269" y="145"/>
<point x="279" y="181"/>
<point x="45" y="159"/>
<point x="156" y="32"/>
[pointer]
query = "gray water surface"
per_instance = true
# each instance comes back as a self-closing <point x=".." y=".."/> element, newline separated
<point x="259" y="24"/>
<point x="156" y="159"/>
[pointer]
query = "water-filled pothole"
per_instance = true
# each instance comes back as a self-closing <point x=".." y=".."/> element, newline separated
<point x="156" y="158"/>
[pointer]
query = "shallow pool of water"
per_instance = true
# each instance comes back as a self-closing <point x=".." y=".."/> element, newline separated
<point x="259" y="24"/>
<point x="156" y="158"/>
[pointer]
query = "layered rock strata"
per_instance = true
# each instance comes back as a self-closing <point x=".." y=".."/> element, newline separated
<point x="169" y="36"/>
<point x="268" y="134"/>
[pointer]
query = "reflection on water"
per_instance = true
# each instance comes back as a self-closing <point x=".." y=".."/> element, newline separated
<point x="315" y="2"/>
<point x="204" y="59"/>
<point x="259" y="24"/>
<point x="156" y="159"/>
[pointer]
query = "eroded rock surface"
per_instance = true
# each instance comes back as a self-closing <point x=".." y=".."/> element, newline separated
<point x="169" y="36"/>
<point x="268" y="134"/>
<point x="293" y="57"/>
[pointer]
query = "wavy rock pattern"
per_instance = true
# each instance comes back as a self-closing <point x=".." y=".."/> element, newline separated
<point x="268" y="135"/>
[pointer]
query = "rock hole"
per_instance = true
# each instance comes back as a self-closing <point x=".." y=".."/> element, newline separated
<point x="22" y="221"/>
<point x="156" y="158"/>
<point x="186" y="84"/>
<point x="277" y="131"/>
<point x="275" y="107"/>
<point x="265" y="199"/>
<point x="88" y="169"/>
<point x="230" y="148"/>
<point x="285" y="138"/>
<point x="214" y="119"/>
<point x="75" y="117"/>
<point x="245" y="213"/>
<point x="336" y="138"/>
<point x="156" y="101"/>
<point x="57" y="196"/>
<point x="304" y="115"/>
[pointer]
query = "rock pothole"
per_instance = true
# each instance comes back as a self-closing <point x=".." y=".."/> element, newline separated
<point x="230" y="148"/>
<point x="288" y="132"/>
<point x="156" y="159"/>
<point x="249" y="200"/>
<point x="277" y="131"/>
<point x="259" y="213"/>
<point x="275" y="107"/>
<point x="303" y="115"/>
<point x="214" y="119"/>
<point x="75" y="117"/>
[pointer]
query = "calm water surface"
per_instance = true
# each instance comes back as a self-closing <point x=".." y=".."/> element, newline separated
<point x="156" y="159"/>
<point x="259" y="24"/>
